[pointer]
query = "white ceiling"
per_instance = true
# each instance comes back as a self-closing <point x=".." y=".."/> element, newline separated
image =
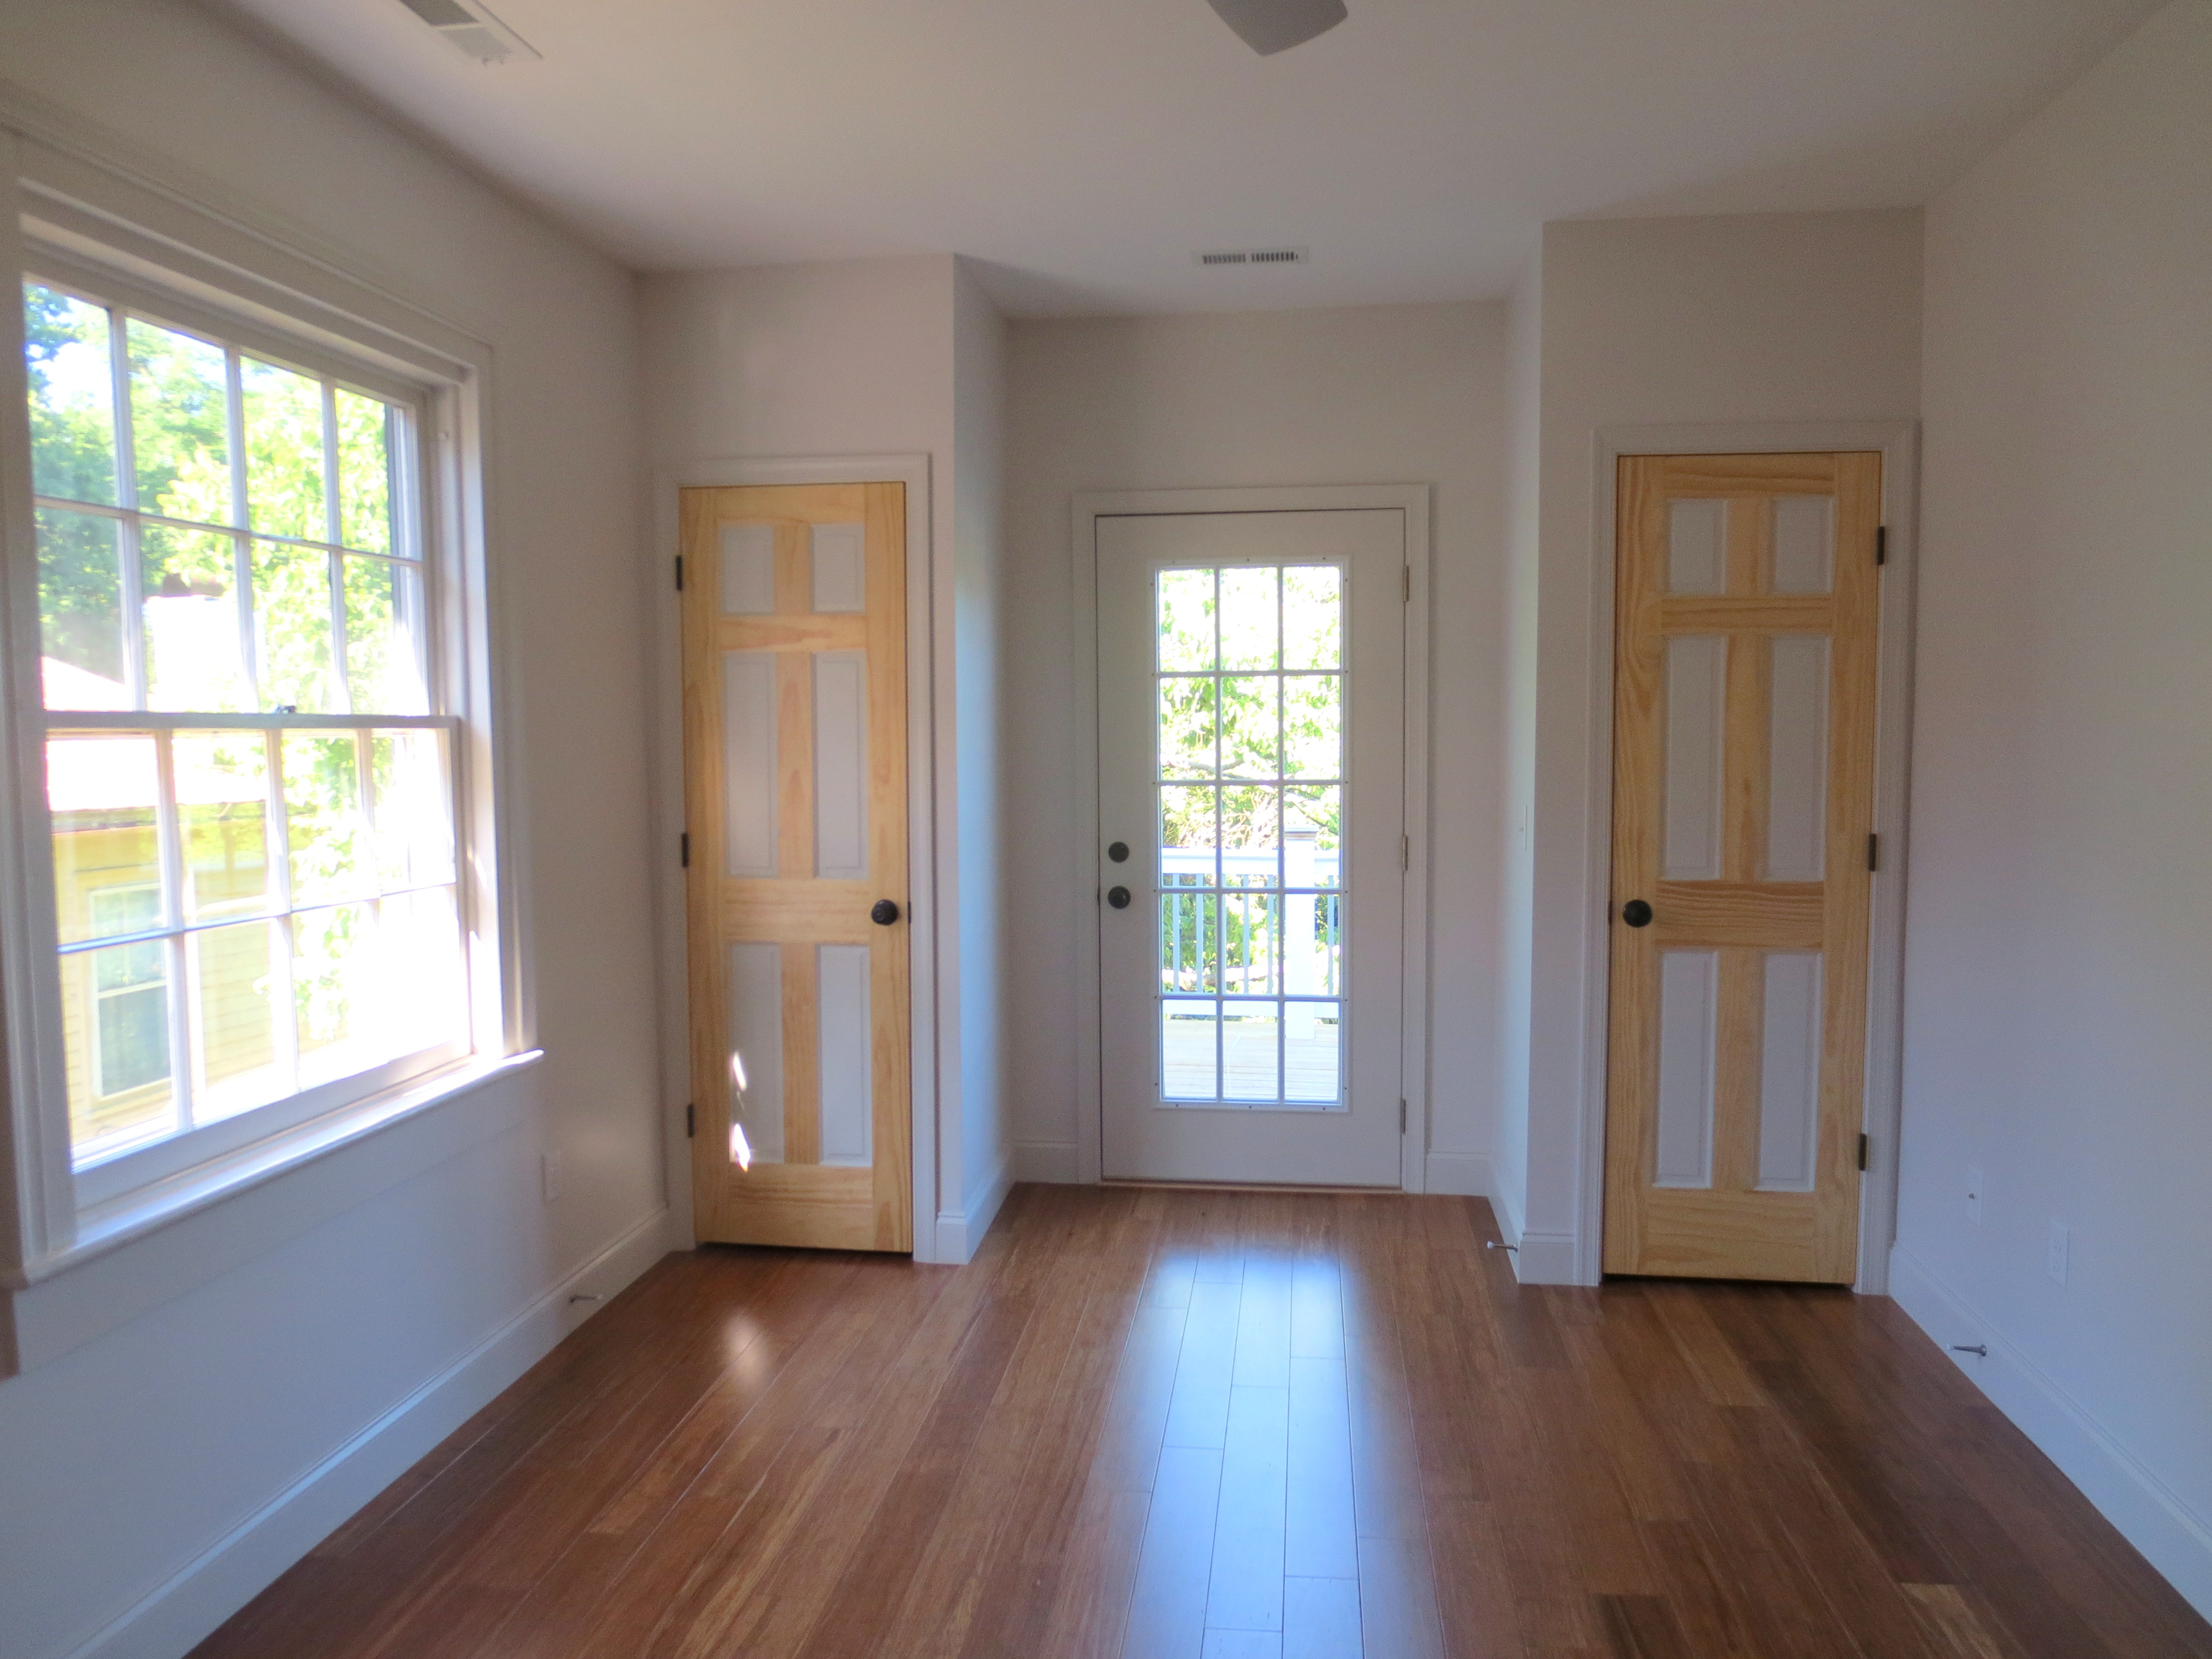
<point x="1084" y="148"/>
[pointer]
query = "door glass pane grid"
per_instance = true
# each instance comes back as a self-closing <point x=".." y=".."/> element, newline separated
<point x="247" y="913"/>
<point x="1249" y="768"/>
<point x="217" y="533"/>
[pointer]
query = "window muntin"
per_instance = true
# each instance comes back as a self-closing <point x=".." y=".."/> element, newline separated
<point x="251" y="785"/>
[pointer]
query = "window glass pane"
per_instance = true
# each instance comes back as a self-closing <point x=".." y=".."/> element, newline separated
<point x="1249" y="620"/>
<point x="332" y="953"/>
<point x="1251" y="726"/>
<point x="1313" y="722"/>
<point x="1313" y="1051"/>
<point x="1190" y="1033"/>
<point x="292" y="627"/>
<point x="240" y="1056"/>
<point x="1187" y="716"/>
<point x="66" y="355"/>
<point x="81" y="612"/>
<point x="193" y="658"/>
<point x="179" y="424"/>
<point x="365" y="450"/>
<point x="414" y="820"/>
<point x="1251" y="942"/>
<point x="115" y="1022"/>
<point x="322" y="817"/>
<point x="383" y="638"/>
<point x="285" y="491"/>
<point x="1251" y="1054"/>
<point x="423" y="1000"/>
<point x="1185" y="621"/>
<point x="1190" y="942"/>
<point x="1251" y="837"/>
<point x="1313" y="819"/>
<point x="1189" y="840"/>
<point x="1313" y="616"/>
<point x="102" y="790"/>
<point x="222" y="816"/>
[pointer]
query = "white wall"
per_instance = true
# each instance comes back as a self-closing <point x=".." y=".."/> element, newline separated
<point x="2059" y="943"/>
<point x="282" y="1325"/>
<point x="1767" y="317"/>
<point x="878" y="357"/>
<point x="979" y="379"/>
<point x="1389" y="394"/>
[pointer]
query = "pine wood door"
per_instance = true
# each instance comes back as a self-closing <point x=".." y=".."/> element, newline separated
<point x="795" y="776"/>
<point x="1743" y="801"/>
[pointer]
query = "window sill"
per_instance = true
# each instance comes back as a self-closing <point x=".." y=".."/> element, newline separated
<point x="109" y="1225"/>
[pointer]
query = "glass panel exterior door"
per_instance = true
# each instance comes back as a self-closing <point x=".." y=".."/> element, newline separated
<point x="1249" y="1006"/>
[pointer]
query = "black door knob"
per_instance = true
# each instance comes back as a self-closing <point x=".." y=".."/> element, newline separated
<point x="1118" y="897"/>
<point x="1636" y="913"/>
<point x="1119" y="852"/>
<point x="884" y="914"/>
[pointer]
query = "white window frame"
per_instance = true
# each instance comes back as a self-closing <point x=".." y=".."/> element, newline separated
<point x="89" y="229"/>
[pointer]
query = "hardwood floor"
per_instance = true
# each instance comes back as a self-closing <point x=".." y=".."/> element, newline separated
<point x="1223" y="1426"/>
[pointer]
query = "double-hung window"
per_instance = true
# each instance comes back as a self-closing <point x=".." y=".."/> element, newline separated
<point x="251" y="758"/>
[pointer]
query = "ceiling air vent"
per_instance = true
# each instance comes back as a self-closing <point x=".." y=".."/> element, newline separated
<point x="472" y="30"/>
<point x="1255" y="256"/>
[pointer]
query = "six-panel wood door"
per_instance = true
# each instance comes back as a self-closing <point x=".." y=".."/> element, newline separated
<point x="795" y="776"/>
<point x="1743" y="784"/>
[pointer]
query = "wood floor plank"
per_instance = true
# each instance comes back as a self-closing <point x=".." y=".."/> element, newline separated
<point x="1152" y="1424"/>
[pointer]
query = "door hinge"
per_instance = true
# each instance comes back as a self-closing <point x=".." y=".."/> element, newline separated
<point x="1881" y="544"/>
<point x="1406" y="571"/>
<point x="679" y="573"/>
<point x="1862" y="1151"/>
<point x="1873" y="852"/>
<point x="1405" y="853"/>
<point x="683" y="848"/>
<point x="1401" y="1117"/>
<point x="692" y="1120"/>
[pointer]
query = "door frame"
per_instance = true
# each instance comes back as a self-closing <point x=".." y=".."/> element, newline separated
<point x="1897" y="442"/>
<point x="928" y="807"/>
<point x="1090" y="507"/>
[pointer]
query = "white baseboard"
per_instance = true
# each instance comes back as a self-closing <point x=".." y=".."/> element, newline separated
<point x="1465" y="1174"/>
<point x="959" y="1231"/>
<point x="1546" y="1259"/>
<point x="181" y="1610"/>
<point x="2127" y="1492"/>
<point x="1052" y="1162"/>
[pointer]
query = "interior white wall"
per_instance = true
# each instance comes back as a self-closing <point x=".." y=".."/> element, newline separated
<point x="1389" y="394"/>
<point x="879" y="357"/>
<point x="979" y="380"/>
<point x="1766" y="317"/>
<point x="149" y="1475"/>
<point x="1523" y="475"/>
<point x="2059" y="935"/>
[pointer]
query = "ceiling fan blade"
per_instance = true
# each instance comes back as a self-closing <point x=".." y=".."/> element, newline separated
<point x="1270" y="26"/>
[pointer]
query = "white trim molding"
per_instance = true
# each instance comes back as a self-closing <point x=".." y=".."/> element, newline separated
<point x="1414" y="500"/>
<point x="1578" y="1258"/>
<point x="959" y="1231"/>
<point x="2127" y="1492"/>
<point x="931" y="806"/>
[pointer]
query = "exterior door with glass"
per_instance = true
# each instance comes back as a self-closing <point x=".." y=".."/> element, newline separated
<point x="1251" y="846"/>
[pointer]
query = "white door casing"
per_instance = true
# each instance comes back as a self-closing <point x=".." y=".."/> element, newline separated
<point x="1308" y="1090"/>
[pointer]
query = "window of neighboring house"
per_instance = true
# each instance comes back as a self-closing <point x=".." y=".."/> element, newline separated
<point x="250" y="760"/>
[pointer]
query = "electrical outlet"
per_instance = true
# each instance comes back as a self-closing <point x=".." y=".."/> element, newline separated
<point x="2056" y="1251"/>
<point x="548" y="1170"/>
<point x="1974" y="1196"/>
